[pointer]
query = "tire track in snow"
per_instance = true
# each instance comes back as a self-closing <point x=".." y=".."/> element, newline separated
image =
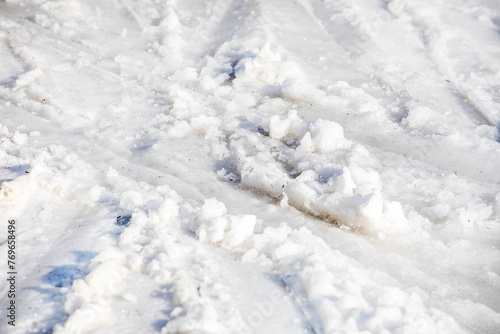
<point x="85" y="316"/>
<point x="151" y="244"/>
<point x="54" y="205"/>
<point x="436" y="36"/>
<point x="91" y="302"/>
<point x="24" y="90"/>
<point x="365" y="29"/>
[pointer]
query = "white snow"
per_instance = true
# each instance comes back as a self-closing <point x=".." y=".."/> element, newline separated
<point x="301" y="166"/>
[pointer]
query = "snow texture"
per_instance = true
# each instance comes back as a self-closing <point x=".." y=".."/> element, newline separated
<point x="302" y="166"/>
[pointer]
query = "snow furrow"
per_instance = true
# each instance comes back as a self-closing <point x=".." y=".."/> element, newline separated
<point x="459" y="68"/>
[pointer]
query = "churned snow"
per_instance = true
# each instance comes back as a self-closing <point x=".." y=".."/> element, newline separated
<point x="299" y="166"/>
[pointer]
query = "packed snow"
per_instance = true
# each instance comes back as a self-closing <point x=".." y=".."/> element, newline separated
<point x="253" y="166"/>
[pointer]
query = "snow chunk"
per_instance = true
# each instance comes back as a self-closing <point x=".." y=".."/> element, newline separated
<point x="188" y="74"/>
<point x="131" y="199"/>
<point x="212" y="209"/>
<point x="324" y="136"/>
<point x="424" y="118"/>
<point x="19" y="138"/>
<point x="216" y="227"/>
<point x="321" y="136"/>
<point x="265" y="67"/>
<point x="16" y="191"/>
<point x="280" y="127"/>
<point x="344" y="183"/>
<point x="240" y="229"/>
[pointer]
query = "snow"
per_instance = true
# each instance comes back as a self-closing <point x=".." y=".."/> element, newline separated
<point x="303" y="166"/>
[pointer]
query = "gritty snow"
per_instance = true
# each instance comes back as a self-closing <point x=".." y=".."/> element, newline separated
<point x="257" y="166"/>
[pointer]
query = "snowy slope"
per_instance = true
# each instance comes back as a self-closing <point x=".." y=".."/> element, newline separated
<point x="257" y="166"/>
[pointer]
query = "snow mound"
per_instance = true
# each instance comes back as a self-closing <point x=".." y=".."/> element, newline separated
<point x="345" y="296"/>
<point x="344" y="193"/>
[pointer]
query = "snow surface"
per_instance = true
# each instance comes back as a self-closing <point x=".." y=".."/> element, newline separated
<point x="257" y="166"/>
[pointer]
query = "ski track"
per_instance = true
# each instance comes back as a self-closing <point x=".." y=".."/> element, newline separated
<point x="251" y="166"/>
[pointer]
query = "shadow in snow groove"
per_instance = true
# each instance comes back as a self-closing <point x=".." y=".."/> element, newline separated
<point x="165" y="295"/>
<point x="57" y="284"/>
